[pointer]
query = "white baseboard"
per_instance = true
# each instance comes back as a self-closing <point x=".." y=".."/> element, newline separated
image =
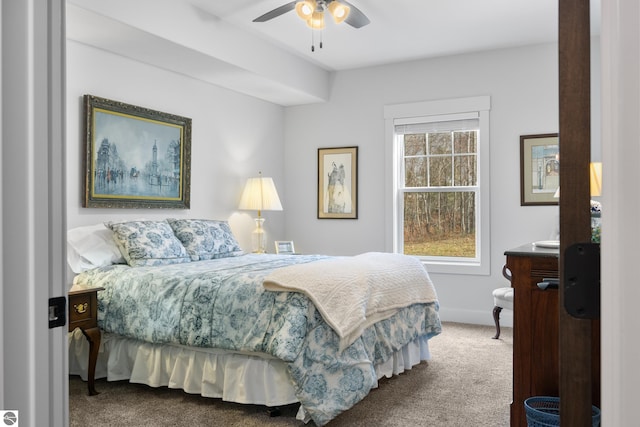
<point x="475" y="317"/>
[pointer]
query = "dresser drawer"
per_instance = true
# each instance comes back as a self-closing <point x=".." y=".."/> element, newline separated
<point x="542" y="268"/>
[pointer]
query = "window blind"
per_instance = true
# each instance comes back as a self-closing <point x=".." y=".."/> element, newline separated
<point x="432" y="127"/>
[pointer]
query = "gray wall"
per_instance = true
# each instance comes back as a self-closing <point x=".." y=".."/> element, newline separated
<point x="523" y="86"/>
<point x="235" y="135"/>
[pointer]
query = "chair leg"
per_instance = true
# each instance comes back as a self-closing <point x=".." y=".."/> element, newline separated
<point x="496" y="319"/>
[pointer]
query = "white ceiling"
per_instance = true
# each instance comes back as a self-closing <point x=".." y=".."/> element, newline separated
<point x="401" y="30"/>
<point x="216" y="39"/>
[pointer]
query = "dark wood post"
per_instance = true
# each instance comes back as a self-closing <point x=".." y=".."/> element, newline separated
<point x="575" y="227"/>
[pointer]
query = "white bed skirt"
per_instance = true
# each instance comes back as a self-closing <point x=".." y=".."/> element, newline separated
<point x="251" y="378"/>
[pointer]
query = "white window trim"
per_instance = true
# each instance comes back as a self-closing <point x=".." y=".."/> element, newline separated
<point x="408" y="112"/>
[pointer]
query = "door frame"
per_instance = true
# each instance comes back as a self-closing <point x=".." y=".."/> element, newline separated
<point x="33" y="358"/>
<point x="620" y="42"/>
<point x="578" y="390"/>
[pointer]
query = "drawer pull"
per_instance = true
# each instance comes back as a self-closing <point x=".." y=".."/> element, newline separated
<point x="549" y="284"/>
<point x="506" y="272"/>
<point x="80" y="308"/>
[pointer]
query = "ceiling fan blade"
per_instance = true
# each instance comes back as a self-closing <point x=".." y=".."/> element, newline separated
<point x="356" y="18"/>
<point x="276" y="12"/>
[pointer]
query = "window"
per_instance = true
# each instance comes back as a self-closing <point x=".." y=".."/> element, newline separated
<point x="439" y="197"/>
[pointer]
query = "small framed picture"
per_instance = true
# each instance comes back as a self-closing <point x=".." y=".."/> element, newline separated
<point x="284" y="247"/>
<point x="539" y="169"/>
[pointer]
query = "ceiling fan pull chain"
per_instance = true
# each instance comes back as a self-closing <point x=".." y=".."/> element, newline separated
<point x="320" y="39"/>
<point x="313" y="47"/>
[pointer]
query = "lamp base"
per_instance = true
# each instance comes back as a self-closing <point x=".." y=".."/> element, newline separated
<point x="258" y="237"/>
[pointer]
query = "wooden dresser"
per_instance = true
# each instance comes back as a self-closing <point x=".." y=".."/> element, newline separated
<point x="535" y="327"/>
<point x="536" y="330"/>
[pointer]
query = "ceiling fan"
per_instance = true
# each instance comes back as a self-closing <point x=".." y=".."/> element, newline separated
<point x="312" y="12"/>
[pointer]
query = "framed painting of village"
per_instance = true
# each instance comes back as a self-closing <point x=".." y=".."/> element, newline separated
<point x="135" y="157"/>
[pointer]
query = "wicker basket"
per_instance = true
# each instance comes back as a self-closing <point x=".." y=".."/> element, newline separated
<point x="543" y="411"/>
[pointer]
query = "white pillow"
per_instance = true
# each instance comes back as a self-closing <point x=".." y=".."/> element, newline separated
<point x="90" y="247"/>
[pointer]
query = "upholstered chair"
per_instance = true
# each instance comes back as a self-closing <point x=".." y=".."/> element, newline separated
<point x="502" y="299"/>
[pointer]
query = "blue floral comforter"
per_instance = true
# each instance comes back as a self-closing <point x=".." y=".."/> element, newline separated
<point x="221" y="303"/>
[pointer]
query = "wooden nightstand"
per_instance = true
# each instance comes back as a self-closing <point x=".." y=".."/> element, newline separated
<point x="83" y="314"/>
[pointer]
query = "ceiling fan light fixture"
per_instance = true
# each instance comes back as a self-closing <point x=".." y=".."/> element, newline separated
<point x="316" y="21"/>
<point x="339" y="11"/>
<point x="305" y="9"/>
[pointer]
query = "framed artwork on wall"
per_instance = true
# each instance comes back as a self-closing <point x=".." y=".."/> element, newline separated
<point x="338" y="183"/>
<point x="539" y="169"/>
<point x="135" y="157"/>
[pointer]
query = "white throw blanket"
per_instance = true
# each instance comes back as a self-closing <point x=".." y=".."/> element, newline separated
<point x="353" y="293"/>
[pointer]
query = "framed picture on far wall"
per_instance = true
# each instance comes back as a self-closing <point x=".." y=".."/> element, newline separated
<point x="539" y="169"/>
<point x="338" y="183"/>
<point x="135" y="157"/>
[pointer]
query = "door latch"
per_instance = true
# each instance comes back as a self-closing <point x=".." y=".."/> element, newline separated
<point x="582" y="280"/>
<point x="57" y="312"/>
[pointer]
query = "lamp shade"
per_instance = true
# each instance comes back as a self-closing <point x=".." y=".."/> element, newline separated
<point x="316" y="21"/>
<point x="260" y="194"/>
<point x="305" y="8"/>
<point x="339" y="11"/>
<point x="595" y="178"/>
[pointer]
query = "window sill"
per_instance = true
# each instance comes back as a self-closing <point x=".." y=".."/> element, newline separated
<point x="471" y="268"/>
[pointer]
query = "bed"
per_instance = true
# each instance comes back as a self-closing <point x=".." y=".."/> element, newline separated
<point x="188" y="309"/>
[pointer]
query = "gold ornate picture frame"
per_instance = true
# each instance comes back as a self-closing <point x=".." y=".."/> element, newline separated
<point x="135" y="157"/>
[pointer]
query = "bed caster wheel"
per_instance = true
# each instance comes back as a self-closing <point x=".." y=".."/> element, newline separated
<point x="274" y="412"/>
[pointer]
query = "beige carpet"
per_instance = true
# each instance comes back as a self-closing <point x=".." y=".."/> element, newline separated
<point x="467" y="383"/>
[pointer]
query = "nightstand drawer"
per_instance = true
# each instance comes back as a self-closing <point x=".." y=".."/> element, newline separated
<point x="83" y="309"/>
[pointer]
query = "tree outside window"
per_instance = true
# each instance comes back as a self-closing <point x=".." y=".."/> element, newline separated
<point x="440" y="188"/>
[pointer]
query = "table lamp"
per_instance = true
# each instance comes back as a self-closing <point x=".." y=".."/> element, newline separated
<point x="260" y="194"/>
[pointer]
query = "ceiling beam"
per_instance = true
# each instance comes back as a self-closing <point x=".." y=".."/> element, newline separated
<point x="213" y="51"/>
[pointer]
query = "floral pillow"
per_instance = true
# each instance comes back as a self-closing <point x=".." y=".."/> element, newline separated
<point x="147" y="243"/>
<point x="205" y="238"/>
